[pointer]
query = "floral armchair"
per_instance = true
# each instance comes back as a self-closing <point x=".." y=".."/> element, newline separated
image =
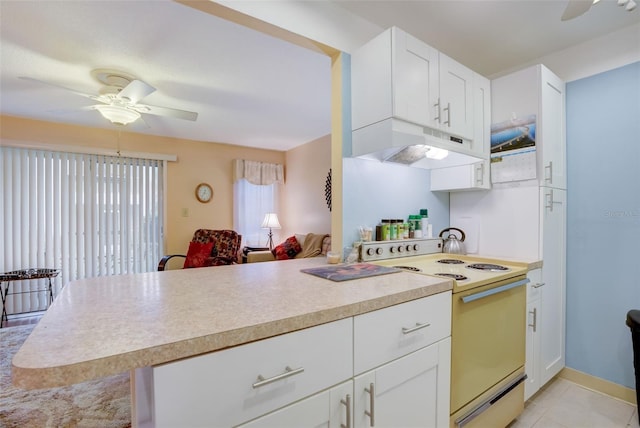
<point x="209" y="248"/>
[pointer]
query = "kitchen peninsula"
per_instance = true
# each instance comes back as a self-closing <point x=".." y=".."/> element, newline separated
<point x="102" y="326"/>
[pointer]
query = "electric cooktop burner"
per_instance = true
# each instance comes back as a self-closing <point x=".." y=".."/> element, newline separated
<point x="411" y="268"/>
<point x="455" y="276"/>
<point x="487" y="267"/>
<point x="451" y="261"/>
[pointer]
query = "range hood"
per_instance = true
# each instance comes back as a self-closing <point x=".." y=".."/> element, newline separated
<point x="397" y="141"/>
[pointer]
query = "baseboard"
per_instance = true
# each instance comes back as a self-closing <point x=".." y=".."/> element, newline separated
<point x="600" y="385"/>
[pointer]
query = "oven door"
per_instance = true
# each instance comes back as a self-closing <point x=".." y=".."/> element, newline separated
<point x="487" y="338"/>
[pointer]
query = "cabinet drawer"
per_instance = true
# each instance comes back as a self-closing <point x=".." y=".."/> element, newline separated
<point x="390" y="333"/>
<point x="224" y="388"/>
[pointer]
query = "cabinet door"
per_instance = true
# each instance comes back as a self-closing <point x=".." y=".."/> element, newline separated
<point x="459" y="178"/>
<point x="456" y="97"/>
<point x="481" y="144"/>
<point x="532" y="364"/>
<point x="326" y="409"/>
<point x="412" y="391"/>
<point x="415" y="80"/>
<point x="552" y="128"/>
<point x="552" y="295"/>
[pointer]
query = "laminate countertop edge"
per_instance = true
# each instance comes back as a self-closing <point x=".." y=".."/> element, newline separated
<point x="103" y="326"/>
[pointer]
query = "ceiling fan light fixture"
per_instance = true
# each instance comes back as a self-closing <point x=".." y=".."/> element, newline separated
<point x="631" y="5"/>
<point x="118" y="115"/>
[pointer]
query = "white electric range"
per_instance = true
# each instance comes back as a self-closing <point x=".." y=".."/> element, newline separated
<point x="487" y="326"/>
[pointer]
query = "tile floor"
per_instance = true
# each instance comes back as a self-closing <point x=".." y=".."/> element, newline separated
<point x="564" y="404"/>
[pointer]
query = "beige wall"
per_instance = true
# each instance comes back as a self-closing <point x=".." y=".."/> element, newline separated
<point x="304" y="205"/>
<point x="197" y="162"/>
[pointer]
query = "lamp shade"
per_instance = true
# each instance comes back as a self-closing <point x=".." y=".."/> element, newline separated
<point x="117" y="114"/>
<point x="271" y="221"/>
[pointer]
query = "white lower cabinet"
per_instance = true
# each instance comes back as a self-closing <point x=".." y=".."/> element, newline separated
<point x="532" y="364"/>
<point x="412" y="391"/>
<point x="306" y="378"/>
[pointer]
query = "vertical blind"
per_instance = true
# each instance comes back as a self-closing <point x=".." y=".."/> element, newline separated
<point x="85" y="214"/>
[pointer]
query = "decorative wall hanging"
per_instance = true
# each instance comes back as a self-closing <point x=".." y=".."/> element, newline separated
<point x="327" y="189"/>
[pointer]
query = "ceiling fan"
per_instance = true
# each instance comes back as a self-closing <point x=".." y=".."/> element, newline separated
<point x="120" y="96"/>
<point x="576" y="8"/>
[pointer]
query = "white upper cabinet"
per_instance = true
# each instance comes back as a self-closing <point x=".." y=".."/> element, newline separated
<point x="404" y="93"/>
<point x="415" y="80"/>
<point x="552" y="130"/>
<point x="536" y="91"/>
<point x="456" y="97"/>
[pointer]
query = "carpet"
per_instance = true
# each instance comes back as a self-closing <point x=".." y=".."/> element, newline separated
<point x="101" y="403"/>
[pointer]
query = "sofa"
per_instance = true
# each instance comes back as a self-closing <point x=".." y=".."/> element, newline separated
<point x="296" y="246"/>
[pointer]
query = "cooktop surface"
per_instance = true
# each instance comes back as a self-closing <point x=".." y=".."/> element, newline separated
<point x="465" y="271"/>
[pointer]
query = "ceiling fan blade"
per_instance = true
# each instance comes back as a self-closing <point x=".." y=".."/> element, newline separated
<point x="164" y="111"/>
<point x="576" y="8"/>
<point x="82" y="94"/>
<point x="135" y="91"/>
<point x="72" y="110"/>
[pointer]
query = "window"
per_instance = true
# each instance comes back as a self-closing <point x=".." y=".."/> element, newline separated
<point x="255" y="193"/>
<point x="251" y="203"/>
<point x="85" y="214"/>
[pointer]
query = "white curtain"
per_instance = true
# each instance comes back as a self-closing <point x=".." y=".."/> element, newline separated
<point x="259" y="173"/>
<point x="87" y="215"/>
<point x="255" y="193"/>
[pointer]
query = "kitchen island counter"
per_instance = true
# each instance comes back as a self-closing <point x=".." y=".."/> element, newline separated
<point x="102" y="326"/>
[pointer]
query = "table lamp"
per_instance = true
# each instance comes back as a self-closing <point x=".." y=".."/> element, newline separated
<point x="270" y="222"/>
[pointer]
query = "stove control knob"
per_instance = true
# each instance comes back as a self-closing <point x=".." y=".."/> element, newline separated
<point x="400" y="249"/>
<point x="392" y="249"/>
<point x="379" y="251"/>
<point x="408" y="248"/>
<point x="416" y="247"/>
<point x="370" y="251"/>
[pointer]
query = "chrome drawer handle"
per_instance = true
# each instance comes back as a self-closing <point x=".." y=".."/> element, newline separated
<point x="480" y="177"/>
<point x="550" y="168"/>
<point x="448" y="110"/>
<point x="437" y="105"/>
<point x="538" y="284"/>
<point x="288" y="371"/>
<point x="372" y="399"/>
<point x="535" y="319"/>
<point x="418" y="326"/>
<point x="347" y="404"/>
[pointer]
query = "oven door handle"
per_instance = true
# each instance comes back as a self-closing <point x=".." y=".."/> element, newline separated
<point x="491" y="292"/>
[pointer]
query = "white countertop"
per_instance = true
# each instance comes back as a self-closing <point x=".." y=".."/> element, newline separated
<point x="102" y="326"/>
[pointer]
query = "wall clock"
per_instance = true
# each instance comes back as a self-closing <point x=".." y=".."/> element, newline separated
<point x="204" y="192"/>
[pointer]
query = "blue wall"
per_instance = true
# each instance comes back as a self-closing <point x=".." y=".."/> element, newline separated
<point x="374" y="190"/>
<point x="603" y="221"/>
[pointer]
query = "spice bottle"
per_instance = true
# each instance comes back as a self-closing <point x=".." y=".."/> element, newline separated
<point x="424" y="213"/>
<point x="393" y="228"/>
<point x="386" y="231"/>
